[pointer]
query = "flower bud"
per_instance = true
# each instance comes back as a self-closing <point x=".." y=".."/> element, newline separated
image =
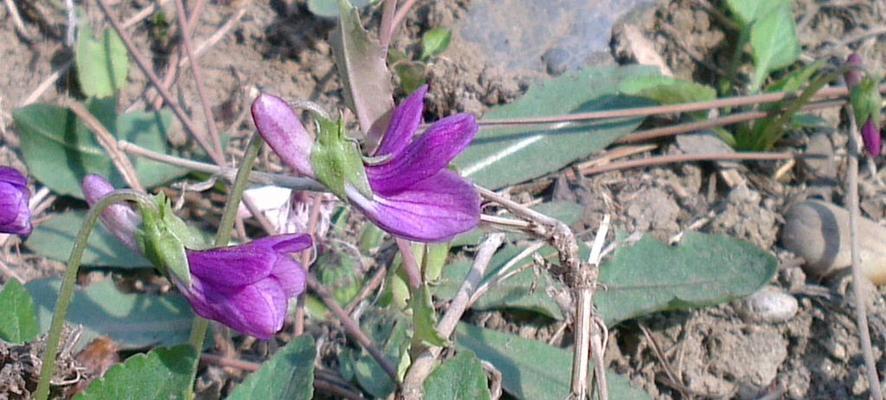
<point x="280" y="127"/>
<point x="853" y="75"/>
<point x="120" y="219"/>
<point x="15" y="216"/>
<point x="870" y="134"/>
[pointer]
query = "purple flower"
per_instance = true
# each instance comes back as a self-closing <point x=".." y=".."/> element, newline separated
<point x="15" y="216"/>
<point x="870" y="134"/>
<point x="120" y="219"/>
<point x="415" y="196"/>
<point x="247" y="287"/>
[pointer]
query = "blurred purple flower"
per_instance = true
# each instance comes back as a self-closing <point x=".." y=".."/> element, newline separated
<point x="15" y="216"/>
<point x="415" y="196"/>
<point x="247" y="287"/>
<point x="870" y="134"/>
<point x="120" y="219"/>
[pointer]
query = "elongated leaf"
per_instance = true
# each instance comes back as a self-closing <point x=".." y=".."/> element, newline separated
<point x="460" y="377"/>
<point x="329" y="8"/>
<point x="60" y="151"/>
<point x="55" y="239"/>
<point x="131" y="320"/>
<point x="101" y="64"/>
<point x="424" y="320"/>
<point x="666" y="90"/>
<point x="288" y="375"/>
<point x="503" y="156"/>
<point x="363" y="73"/>
<point x="531" y="369"/>
<point x="702" y="270"/>
<point x="774" y="42"/>
<point x="163" y="373"/>
<point x="434" y="42"/>
<point x="18" y="320"/>
<point x="527" y="291"/>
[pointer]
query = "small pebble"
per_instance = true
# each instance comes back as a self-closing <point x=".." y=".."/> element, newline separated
<point x="769" y="304"/>
<point x="556" y="61"/>
<point x="819" y="232"/>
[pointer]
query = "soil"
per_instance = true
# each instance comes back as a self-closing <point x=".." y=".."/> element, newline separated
<point x="709" y="353"/>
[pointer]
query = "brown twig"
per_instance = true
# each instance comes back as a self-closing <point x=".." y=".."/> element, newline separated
<point x="368" y="289"/>
<point x="424" y="363"/>
<point x="17" y="20"/>
<point x="402" y="12"/>
<point x="298" y="326"/>
<point x="140" y="60"/>
<point x="410" y="264"/>
<point x="109" y="143"/>
<point x="858" y="289"/>
<point x="186" y="26"/>
<point x="676" y="158"/>
<point x="172" y="67"/>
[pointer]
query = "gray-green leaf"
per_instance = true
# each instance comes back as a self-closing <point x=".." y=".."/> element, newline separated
<point x="329" y="8"/>
<point x="501" y="156"/>
<point x="424" y="320"/>
<point x="60" y="151"/>
<point x="55" y="239"/>
<point x="665" y="90"/>
<point x="460" y="377"/>
<point x="18" y="320"/>
<point x="702" y="270"/>
<point x="132" y="320"/>
<point x="288" y="375"/>
<point x="531" y="369"/>
<point x="774" y="42"/>
<point x="434" y="42"/>
<point x="163" y="373"/>
<point x="101" y="64"/>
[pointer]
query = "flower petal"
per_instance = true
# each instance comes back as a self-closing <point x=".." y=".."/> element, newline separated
<point x="257" y="310"/>
<point x="404" y="123"/>
<point x="870" y="134"/>
<point x="13" y="177"/>
<point x="280" y="127"/>
<point x="290" y="276"/>
<point x="433" y="210"/>
<point x="237" y="266"/>
<point x="424" y="157"/>
<point x="15" y="216"/>
<point x="120" y="219"/>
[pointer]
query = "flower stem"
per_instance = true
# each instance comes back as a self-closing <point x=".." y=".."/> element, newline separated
<point x="223" y="236"/>
<point x="66" y="292"/>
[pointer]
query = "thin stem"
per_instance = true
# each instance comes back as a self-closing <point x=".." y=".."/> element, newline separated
<point x="410" y="265"/>
<point x="386" y="27"/>
<point x="858" y="290"/>
<point x="677" y="158"/>
<point x="223" y="235"/>
<point x="298" y="327"/>
<point x="400" y="16"/>
<point x="66" y="291"/>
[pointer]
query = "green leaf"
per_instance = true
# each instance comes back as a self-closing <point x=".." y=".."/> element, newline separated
<point x="338" y="271"/>
<point x="702" y="270"/>
<point x="337" y="160"/>
<point x="390" y="328"/>
<point x="774" y="42"/>
<point x="460" y="377"/>
<point x="424" y="320"/>
<point x="866" y="101"/>
<point x="665" y="90"/>
<point x="503" y="156"/>
<point x="363" y="72"/>
<point x="287" y="375"/>
<point x="55" y="239"/>
<point x="132" y="320"/>
<point x="797" y="79"/>
<point x="18" y="320"/>
<point x="746" y="11"/>
<point x="412" y="75"/>
<point x="101" y="64"/>
<point x="329" y="8"/>
<point x="164" y="238"/>
<point x="60" y="151"/>
<point x="434" y="42"/>
<point x="527" y="290"/>
<point x="531" y="369"/>
<point x="432" y="264"/>
<point x="163" y="373"/>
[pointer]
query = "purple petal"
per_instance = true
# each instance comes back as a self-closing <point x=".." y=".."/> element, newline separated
<point x="15" y="216"/>
<point x="257" y="310"/>
<point x="435" y="209"/>
<point x="234" y="267"/>
<point x="424" y="157"/>
<point x="290" y="275"/>
<point x="870" y="133"/>
<point x="853" y="76"/>
<point x="280" y="127"/>
<point x="13" y="177"/>
<point x="404" y="123"/>
<point x="120" y="219"/>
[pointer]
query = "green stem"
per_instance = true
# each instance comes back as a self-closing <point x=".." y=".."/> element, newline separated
<point x="66" y="292"/>
<point x="223" y="236"/>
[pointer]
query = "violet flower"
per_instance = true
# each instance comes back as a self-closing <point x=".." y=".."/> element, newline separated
<point x="870" y="134"/>
<point x="246" y="287"/>
<point x="15" y="216"/>
<point x="414" y="195"/>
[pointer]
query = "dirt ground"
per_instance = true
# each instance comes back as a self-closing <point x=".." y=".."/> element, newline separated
<point x="717" y="352"/>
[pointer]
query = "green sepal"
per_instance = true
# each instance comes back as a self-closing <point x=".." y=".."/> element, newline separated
<point x="337" y="160"/>
<point x="866" y="101"/>
<point x="164" y="237"/>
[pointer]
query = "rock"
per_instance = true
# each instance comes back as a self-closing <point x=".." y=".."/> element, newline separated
<point x="556" y="60"/>
<point x="820" y="168"/>
<point x="769" y="304"/>
<point x="819" y="232"/>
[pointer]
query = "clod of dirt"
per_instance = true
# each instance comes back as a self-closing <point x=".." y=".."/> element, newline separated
<point x="747" y="216"/>
<point x="769" y="304"/>
<point x="819" y="232"/>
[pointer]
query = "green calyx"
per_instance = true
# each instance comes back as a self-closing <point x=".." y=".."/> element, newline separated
<point x="164" y="237"/>
<point x="866" y="101"/>
<point x="337" y="160"/>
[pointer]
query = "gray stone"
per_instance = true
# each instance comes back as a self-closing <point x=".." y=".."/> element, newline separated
<point x="819" y="232"/>
<point x="769" y="304"/>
